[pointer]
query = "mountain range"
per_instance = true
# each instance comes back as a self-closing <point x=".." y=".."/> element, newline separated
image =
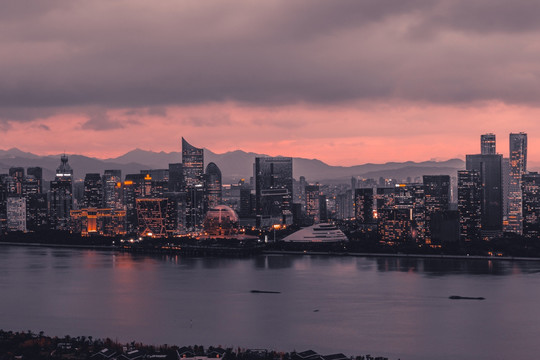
<point x="234" y="165"/>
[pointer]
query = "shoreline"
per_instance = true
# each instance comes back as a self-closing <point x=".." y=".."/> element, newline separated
<point x="283" y="252"/>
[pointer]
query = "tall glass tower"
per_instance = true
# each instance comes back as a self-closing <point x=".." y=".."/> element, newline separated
<point x="487" y="142"/>
<point x="518" y="167"/>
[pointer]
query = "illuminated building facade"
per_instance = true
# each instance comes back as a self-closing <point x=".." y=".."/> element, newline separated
<point x="213" y="185"/>
<point x="398" y="208"/>
<point x="112" y="189"/>
<point x="363" y="205"/>
<point x="192" y="164"/>
<point x="313" y="208"/>
<point x="152" y="217"/>
<point x="61" y="196"/>
<point x="16" y="213"/>
<point x="273" y="190"/>
<point x="518" y="167"/>
<point x="104" y="222"/>
<point x="93" y="191"/>
<point x="469" y="204"/>
<point x="530" y="185"/>
<point x="193" y="169"/>
<point x="488" y="144"/>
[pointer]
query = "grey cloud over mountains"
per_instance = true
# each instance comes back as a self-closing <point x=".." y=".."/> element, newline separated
<point x="140" y="54"/>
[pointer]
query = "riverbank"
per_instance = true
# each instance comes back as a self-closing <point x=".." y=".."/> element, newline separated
<point x="202" y="251"/>
<point x="28" y="345"/>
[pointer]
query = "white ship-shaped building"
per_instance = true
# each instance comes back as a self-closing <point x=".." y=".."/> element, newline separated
<point x="323" y="233"/>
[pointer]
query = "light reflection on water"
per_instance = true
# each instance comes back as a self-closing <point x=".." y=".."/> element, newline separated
<point x="395" y="307"/>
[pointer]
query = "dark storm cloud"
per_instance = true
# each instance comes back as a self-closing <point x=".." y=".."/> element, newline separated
<point x="150" y="55"/>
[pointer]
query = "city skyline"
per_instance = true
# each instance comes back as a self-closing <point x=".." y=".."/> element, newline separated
<point x="385" y="81"/>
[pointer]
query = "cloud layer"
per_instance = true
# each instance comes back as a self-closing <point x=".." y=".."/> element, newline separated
<point x="111" y="66"/>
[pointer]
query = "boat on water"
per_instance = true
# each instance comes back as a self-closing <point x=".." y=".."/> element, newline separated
<point x="457" y="297"/>
<point x="318" y="233"/>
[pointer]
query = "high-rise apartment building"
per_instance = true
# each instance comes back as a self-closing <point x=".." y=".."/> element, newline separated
<point x="518" y="167"/>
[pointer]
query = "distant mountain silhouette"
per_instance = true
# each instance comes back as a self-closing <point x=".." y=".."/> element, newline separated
<point x="234" y="165"/>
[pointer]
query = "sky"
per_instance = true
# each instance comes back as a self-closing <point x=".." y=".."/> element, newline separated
<point x="347" y="82"/>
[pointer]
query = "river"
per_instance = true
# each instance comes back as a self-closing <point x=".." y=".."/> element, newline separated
<point x="394" y="307"/>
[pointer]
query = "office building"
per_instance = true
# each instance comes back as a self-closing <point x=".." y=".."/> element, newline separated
<point x="313" y="209"/>
<point x="61" y="196"/>
<point x="37" y="173"/>
<point x="176" y="177"/>
<point x="363" y="205"/>
<point x="437" y="197"/>
<point x="273" y="190"/>
<point x="112" y="189"/>
<point x="152" y="217"/>
<point x="213" y="185"/>
<point x="518" y="167"/>
<point x="530" y="185"/>
<point x="487" y="144"/>
<point x="490" y="170"/>
<point x="469" y="204"/>
<point x="193" y="170"/>
<point x="93" y="191"/>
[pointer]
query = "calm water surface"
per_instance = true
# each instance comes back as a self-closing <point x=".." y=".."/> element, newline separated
<point x="381" y="306"/>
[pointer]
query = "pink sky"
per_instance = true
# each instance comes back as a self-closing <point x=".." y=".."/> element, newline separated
<point x="339" y="135"/>
<point x="346" y="82"/>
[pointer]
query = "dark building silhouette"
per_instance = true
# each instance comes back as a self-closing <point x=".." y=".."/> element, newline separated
<point x="273" y="190"/>
<point x="61" y="196"/>
<point x="489" y="167"/>
<point x="152" y="217"/>
<point x="37" y="173"/>
<point x="518" y="167"/>
<point x="530" y="185"/>
<point x="93" y="191"/>
<point x="176" y="177"/>
<point x="437" y="197"/>
<point x="323" y="209"/>
<point x="213" y="185"/>
<point x="469" y="204"/>
<point x="488" y="144"/>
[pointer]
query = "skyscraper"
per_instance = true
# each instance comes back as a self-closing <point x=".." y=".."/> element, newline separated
<point x="213" y="185"/>
<point x="61" y="196"/>
<point x="530" y="185"/>
<point x="437" y="197"/>
<point x="193" y="169"/>
<point x="518" y="167"/>
<point x="192" y="164"/>
<point x="363" y="205"/>
<point x="313" y="209"/>
<point x="490" y="170"/>
<point x="488" y="144"/>
<point x="112" y="189"/>
<point x="273" y="189"/>
<point x="93" y="191"/>
<point x="469" y="204"/>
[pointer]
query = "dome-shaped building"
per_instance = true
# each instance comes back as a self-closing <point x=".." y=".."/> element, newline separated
<point x="221" y="220"/>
